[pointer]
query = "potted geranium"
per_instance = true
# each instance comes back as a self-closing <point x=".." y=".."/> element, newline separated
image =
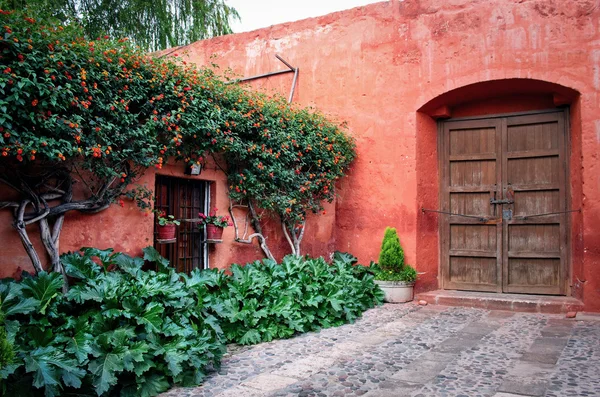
<point x="166" y="225"/>
<point x="214" y="224"/>
<point x="393" y="276"/>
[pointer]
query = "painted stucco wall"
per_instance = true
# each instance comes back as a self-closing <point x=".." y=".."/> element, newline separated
<point x="375" y="67"/>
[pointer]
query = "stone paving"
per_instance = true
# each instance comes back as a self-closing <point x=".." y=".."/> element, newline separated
<point x="410" y="350"/>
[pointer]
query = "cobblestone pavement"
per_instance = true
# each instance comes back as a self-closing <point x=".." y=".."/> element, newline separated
<point x="408" y="350"/>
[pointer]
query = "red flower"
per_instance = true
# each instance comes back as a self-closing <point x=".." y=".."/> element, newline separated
<point x="122" y="203"/>
<point x="34" y="102"/>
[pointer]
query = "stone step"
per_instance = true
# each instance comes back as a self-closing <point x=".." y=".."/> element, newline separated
<point x="511" y="302"/>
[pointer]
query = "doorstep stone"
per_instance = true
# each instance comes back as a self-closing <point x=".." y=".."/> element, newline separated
<point x="509" y="302"/>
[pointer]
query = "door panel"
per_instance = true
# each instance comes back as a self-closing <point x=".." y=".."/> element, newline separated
<point x="471" y="174"/>
<point x="511" y="165"/>
<point x="534" y="252"/>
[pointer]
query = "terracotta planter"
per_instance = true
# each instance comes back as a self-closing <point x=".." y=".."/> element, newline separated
<point x="214" y="232"/>
<point x="396" y="291"/>
<point x="166" y="232"/>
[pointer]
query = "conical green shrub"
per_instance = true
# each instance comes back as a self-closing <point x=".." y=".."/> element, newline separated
<point x="391" y="256"/>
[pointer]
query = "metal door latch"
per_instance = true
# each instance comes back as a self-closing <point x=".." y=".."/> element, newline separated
<point x="507" y="215"/>
<point x="501" y="201"/>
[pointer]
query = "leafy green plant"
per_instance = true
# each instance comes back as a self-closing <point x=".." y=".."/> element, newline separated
<point x="264" y="300"/>
<point x="391" y="266"/>
<point x="164" y="219"/>
<point x="7" y="353"/>
<point x="213" y="219"/>
<point x="119" y="330"/>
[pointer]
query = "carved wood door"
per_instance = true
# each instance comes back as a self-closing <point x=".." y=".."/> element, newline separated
<point x="504" y="182"/>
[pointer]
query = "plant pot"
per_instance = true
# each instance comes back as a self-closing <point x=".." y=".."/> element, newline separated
<point x="214" y="232"/>
<point x="166" y="232"/>
<point x="396" y="291"/>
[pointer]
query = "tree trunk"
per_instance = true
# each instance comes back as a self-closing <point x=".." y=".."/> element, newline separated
<point x="20" y="225"/>
<point x="256" y="224"/>
<point x="29" y="248"/>
<point x="50" y="242"/>
<point x="293" y="236"/>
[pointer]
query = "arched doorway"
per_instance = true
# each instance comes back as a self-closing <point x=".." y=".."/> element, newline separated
<point x="504" y="197"/>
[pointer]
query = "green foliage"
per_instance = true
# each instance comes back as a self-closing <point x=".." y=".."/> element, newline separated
<point x="124" y="330"/>
<point x="391" y="266"/>
<point x="102" y="106"/>
<point x="264" y="300"/>
<point x="164" y="219"/>
<point x="7" y="353"/>
<point x="284" y="158"/>
<point x="153" y="25"/>
<point x="391" y="256"/>
<point x="407" y="274"/>
<point x="213" y="219"/>
<point x="101" y="112"/>
<point x="119" y="329"/>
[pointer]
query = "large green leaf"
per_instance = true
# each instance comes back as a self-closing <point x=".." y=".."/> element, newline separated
<point x="130" y="265"/>
<point x="152" y="385"/>
<point x="152" y="255"/>
<point x="44" y="287"/>
<point x="104" y="371"/>
<point x="22" y="306"/>
<point x="105" y="256"/>
<point x="151" y="317"/>
<point x="79" y="266"/>
<point x="251" y="336"/>
<point x="48" y="365"/>
<point x="344" y="258"/>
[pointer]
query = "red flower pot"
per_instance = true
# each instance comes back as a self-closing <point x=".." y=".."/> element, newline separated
<point x="214" y="232"/>
<point x="166" y="232"/>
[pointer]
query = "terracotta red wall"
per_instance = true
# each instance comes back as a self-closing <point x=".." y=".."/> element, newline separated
<point x="378" y="68"/>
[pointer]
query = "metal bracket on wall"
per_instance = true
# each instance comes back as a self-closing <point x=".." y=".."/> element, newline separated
<point x="264" y="75"/>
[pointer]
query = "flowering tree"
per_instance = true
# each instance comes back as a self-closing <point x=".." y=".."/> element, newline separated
<point x="281" y="159"/>
<point x="81" y="120"/>
<point x="94" y="114"/>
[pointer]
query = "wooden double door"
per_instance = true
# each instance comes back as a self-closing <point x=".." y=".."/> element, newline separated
<point x="503" y="180"/>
